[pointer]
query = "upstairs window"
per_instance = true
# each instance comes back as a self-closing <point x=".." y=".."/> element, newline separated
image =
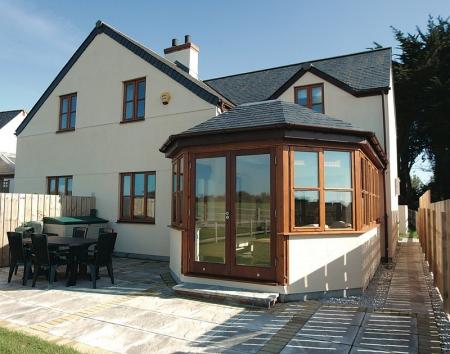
<point x="137" y="197"/>
<point x="177" y="191"/>
<point x="67" y="112"/>
<point x="322" y="192"/>
<point x="134" y="100"/>
<point x="310" y="96"/>
<point x="59" y="185"/>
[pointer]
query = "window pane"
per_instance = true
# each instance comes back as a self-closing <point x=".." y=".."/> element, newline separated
<point x="302" y="97"/>
<point x="62" y="185"/>
<point x="64" y="121"/>
<point x="141" y="90"/>
<point x="174" y="178"/>
<point x="126" y="186"/>
<point x="52" y="186"/>
<point x="151" y="189"/>
<point x="65" y="105"/>
<point x="69" y="186"/>
<point x="151" y="208"/>
<point x="337" y="169"/>
<point x="180" y="172"/>
<point x="72" y="120"/>
<point x="151" y="184"/>
<point x="307" y="208"/>
<point x="306" y="170"/>
<point x="130" y="91"/>
<point x="129" y="110"/>
<point x="338" y="210"/>
<point x="316" y="95"/>
<point x="140" y="109"/>
<point x="126" y="206"/>
<point x="139" y="188"/>
<point x="317" y="107"/>
<point x="73" y="104"/>
<point x="138" y="205"/>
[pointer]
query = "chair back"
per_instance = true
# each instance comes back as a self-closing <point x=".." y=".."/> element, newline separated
<point x="79" y="232"/>
<point x="105" y="230"/>
<point x="105" y="247"/>
<point x="40" y="248"/>
<point x="16" y="251"/>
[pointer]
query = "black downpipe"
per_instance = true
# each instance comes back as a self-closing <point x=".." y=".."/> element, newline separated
<point x="386" y="236"/>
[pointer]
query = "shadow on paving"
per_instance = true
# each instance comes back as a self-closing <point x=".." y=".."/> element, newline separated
<point x="140" y="313"/>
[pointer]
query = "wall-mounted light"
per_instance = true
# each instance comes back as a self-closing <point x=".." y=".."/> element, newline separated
<point x="165" y="98"/>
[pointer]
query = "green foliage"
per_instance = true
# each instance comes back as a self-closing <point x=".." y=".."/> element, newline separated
<point x="422" y="93"/>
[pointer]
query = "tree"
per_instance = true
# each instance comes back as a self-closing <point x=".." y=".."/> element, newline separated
<point x="422" y="89"/>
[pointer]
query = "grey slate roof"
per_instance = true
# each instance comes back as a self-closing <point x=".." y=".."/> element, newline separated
<point x="268" y="113"/>
<point x="358" y="73"/>
<point x="7" y="116"/>
<point x="197" y="87"/>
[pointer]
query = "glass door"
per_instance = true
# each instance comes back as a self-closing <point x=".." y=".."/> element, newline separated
<point x="232" y="215"/>
<point x="252" y="214"/>
<point x="210" y="208"/>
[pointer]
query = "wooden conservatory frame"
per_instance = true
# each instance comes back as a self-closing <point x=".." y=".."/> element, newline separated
<point x="367" y="160"/>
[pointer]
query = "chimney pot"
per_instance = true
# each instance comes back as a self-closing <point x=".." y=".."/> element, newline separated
<point x="174" y="42"/>
<point x="187" y="38"/>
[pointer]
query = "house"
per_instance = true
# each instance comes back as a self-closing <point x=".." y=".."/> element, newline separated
<point x="280" y="180"/>
<point x="9" y="121"/>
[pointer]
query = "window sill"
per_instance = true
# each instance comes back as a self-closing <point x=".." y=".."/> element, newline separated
<point x="65" y="130"/>
<point x="177" y="227"/>
<point x="132" y="121"/>
<point x="328" y="232"/>
<point x="122" y="221"/>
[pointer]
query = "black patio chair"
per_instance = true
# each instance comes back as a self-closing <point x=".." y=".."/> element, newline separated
<point x="18" y="255"/>
<point x="102" y="257"/>
<point x="43" y="259"/>
<point x="79" y="232"/>
<point x="105" y="230"/>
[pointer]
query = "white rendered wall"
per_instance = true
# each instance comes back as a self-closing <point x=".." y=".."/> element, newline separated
<point x="100" y="148"/>
<point x="8" y="139"/>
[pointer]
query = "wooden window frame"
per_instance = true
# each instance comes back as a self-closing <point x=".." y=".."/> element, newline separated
<point x="135" y="101"/>
<point x="321" y="188"/>
<point x="370" y="193"/>
<point x="178" y="174"/>
<point x="309" y="88"/>
<point x="66" y="183"/>
<point x="132" y="218"/>
<point x="69" y="112"/>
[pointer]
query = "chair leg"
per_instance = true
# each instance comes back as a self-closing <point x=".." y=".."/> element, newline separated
<point x="52" y="274"/>
<point x="93" y="272"/>
<point x="110" y="271"/>
<point x="26" y="272"/>
<point x="12" y="266"/>
<point x="17" y="268"/>
<point x="35" y="275"/>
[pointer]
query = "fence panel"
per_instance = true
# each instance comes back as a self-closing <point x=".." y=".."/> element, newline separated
<point x="17" y="208"/>
<point x="433" y="227"/>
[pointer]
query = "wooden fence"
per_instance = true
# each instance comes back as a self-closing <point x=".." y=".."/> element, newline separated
<point x="16" y="208"/>
<point x="433" y="228"/>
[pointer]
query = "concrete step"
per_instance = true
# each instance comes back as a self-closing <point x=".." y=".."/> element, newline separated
<point x="227" y="294"/>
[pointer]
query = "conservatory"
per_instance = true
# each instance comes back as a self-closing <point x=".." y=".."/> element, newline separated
<point x="274" y="196"/>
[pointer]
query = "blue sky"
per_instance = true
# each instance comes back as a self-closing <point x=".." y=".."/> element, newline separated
<point x="38" y="37"/>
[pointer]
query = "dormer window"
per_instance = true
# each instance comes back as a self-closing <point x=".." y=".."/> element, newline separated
<point x="310" y="96"/>
<point x="67" y="111"/>
<point x="134" y="100"/>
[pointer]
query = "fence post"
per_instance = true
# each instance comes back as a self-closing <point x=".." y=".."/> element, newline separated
<point x="445" y="270"/>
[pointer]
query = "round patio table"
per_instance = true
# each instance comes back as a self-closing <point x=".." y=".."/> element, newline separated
<point x="76" y="247"/>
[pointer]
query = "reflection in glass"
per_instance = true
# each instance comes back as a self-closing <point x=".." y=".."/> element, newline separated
<point x="139" y="184"/>
<point x="151" y="188"/>
<point x="52" y="187"/>
<point x="302" y="97"/>
<point x="306" y="169"/>
<point x="337" y="169"/>
<point x="129" y="110"/>
<point x="306" y="208"/>
<point x="126" y="192"/>
<point x="140" y="109"/>
<point x="69" y="186"/>
<point x="130" y="92"/>
<point x="338" y="210"/>
<point x="141" y="90"/>
<point x="210" y="210"/>
<point x="62" y="186"/>
<point x="252" y="207"/>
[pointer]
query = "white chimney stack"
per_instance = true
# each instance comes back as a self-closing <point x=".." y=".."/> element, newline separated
<point x="185" y="56"/>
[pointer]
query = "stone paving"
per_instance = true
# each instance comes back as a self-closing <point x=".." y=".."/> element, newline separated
<point x="141" y="314"/>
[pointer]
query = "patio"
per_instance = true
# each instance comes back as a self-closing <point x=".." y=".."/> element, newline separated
<point x="141" y="314"/>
